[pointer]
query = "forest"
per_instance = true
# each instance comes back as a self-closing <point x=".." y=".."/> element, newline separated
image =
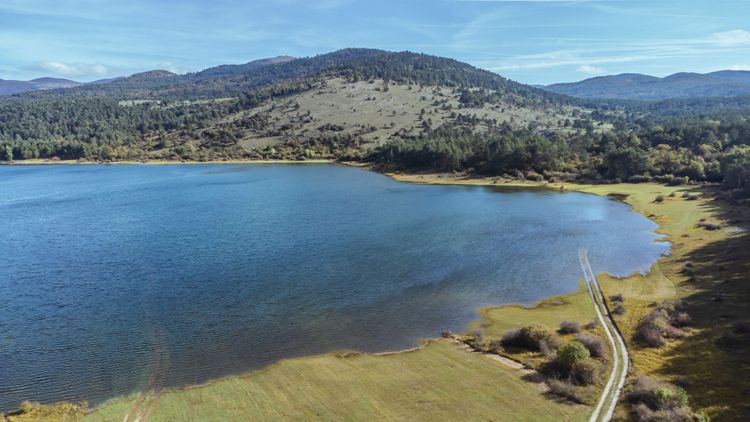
<point x="674" y="151"/>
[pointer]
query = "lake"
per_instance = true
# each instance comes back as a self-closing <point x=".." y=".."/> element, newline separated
<point x="127" y="277"/>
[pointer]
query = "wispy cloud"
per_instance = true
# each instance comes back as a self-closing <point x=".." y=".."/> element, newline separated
<point x="590" y="70"/>
<point x="71" y="69"/>
<point x="565" y="58"/>
<point x="735" y="37"/>
<point x="609" y="52"/>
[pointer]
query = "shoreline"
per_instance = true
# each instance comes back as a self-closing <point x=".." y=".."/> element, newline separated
<point x="438" y="179"/>
<point x="49" y="162"/>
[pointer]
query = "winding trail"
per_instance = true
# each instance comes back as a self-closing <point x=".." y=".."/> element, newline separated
<point x="605" y="408"/>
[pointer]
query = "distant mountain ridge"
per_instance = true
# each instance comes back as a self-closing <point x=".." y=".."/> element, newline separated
<point x="236" y="69"/>
<point x="9" y="87"/>
<point x="235" y="81"/>
<point x="634" y="86"/>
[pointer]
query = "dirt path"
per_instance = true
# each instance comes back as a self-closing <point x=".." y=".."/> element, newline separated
<point x="605" y="408"/>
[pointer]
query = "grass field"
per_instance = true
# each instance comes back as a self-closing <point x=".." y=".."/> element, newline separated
<point x="439" y="382"/>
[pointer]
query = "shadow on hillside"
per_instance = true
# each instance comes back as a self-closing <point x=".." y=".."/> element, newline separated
<point x="714" y="363"/>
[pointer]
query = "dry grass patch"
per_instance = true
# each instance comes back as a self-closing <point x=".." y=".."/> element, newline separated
<point x="442" y="381"/>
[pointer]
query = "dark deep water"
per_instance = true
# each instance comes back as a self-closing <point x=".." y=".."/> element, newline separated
<point x="119" y="278"/>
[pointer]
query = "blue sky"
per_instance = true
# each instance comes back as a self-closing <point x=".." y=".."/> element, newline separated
<point x="532" y="41"/>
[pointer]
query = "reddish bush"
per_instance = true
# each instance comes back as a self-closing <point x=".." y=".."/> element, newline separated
<point x="593" y="343"/>
<point x="569" y="327"/>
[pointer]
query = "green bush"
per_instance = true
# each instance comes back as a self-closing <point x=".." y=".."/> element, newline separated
<point x="735" y="167"/>
<point x="570" y="354"/>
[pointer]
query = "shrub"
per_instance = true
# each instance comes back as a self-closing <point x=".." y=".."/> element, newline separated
<point x="672" y="180"/>
<point x="513" y="338"/>
<point x="532" y="337"/>
<point x="571" y="353"/>
<point x="546" y="348"/>
<point x="659" y="199"/>
<point x="569" y="327"/>
<point x="495" y="347"/>
<point x="659" y="401"/>
<point x="644" y="414"/>
<point x="619" y="309"/>
<point x="650" y="336"/>
<point x="560" y="176"/>
<point x="571" y="392"/>
<point x="591" y="324"/>
<point x="709" y="226"/>
<point x="616" y="298"/>
<point x="475" y="338"/>
<point x="682" y="319"/>
<point x="684" y="180"/>
<point x="664" y="321"/>
<point x="477" y="333"/>
<point x="593" y="343"/>
<point x="551" y="342"/>
<point x="534" y="176"/>
<point x="640" y="179"/>
<point x="671" y="331"/>
<point x="585" y="372"/>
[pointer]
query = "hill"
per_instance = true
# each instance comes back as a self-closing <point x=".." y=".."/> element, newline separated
<point x="236" y="69"/>
<point x="631" y="86"/>
<point x="355" y="96"/>
<point x="9" y="87"/>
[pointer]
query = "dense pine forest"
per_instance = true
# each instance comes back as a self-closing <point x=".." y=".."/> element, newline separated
<point x="440" y="115"/>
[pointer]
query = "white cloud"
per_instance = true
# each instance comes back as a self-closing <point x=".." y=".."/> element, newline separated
<point x="734" y="37"/>
<point x="72" y="69"/>
<point x="566" y="58"/>
<point x="740" y="67"/>
<point x="590" y="70"/>
<point x="730" y="42"/>
<point x="171" y="67"/>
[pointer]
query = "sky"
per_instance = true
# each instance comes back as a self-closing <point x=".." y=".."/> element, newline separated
<point x="530" y="41"/>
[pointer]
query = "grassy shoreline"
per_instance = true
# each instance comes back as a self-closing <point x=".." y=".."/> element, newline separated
<point x="676" y="218"/>
<point x="707" y="269"/>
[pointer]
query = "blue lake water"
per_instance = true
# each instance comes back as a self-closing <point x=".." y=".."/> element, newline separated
<point x="120" y="278"/>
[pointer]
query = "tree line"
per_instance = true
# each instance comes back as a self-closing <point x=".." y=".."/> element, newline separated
<point x="676" y="151"/>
